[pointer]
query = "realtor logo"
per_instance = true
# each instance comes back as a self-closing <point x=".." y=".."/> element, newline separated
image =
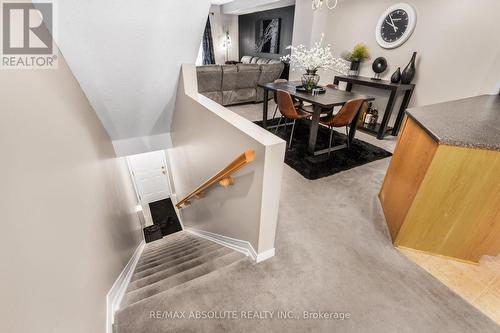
<point x="27" y="35"/>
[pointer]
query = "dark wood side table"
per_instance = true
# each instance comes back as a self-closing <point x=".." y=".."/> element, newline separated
<point x="380" y="130"/>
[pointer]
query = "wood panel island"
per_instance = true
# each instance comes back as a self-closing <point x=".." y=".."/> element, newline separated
<point x="441" y="193"/>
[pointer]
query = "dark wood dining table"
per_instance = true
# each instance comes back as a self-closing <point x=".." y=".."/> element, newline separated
<point x="329" y="99"/>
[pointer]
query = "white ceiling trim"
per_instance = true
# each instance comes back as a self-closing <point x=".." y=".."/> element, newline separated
<point x="220" y="2"/>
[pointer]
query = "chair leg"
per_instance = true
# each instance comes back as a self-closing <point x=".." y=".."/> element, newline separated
<point x="347" y="134"/>
<point x="275" y="110"/>
<point x="291" y="135"/>
<point x="279" y="123"/>
<point x="331" y="137"/>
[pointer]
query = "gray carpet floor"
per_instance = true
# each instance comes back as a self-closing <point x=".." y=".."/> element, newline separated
<point x="333" y="254"/>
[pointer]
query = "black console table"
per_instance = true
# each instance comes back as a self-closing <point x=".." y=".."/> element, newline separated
<point x="380" y="130"/>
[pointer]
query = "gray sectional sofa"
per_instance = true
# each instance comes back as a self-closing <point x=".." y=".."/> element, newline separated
<point x="236" y="84"/>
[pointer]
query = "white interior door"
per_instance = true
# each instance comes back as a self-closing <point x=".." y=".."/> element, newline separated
<point x="149" y="172"/>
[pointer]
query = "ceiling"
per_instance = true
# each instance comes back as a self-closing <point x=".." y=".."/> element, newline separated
<point x="127" y="58"/>
<point x="240" y="7"/>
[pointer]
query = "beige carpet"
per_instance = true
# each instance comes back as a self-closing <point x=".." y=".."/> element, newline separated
<point x="333" y="254"/>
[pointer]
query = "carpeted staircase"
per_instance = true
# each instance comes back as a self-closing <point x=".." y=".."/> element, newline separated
<point x="172" y="262"/>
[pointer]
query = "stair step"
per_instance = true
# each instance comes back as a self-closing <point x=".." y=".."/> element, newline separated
<point x="172" y="250"/>
<point x="127" y="313"/>
<point x="175" y="247"/>
<point x="177" y="279"/>
<point x="167" y="239"/>
<point x="168" y="257"/>
<point x="169" y="244"/>
<point x="183" y="266"/>
<point x="173" y="262"/>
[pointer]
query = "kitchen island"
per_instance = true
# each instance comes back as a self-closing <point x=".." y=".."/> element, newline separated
<point x="441" y="193"/>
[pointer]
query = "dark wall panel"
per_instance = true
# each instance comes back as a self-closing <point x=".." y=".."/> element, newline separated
<point x="247" y="29"/>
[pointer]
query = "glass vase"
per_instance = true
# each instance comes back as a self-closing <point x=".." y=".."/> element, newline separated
<point x="310" y="80"/>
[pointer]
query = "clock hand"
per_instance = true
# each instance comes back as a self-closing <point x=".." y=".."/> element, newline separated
<point x="393" y="25"/>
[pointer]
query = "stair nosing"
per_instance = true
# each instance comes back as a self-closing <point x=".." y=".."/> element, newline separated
<point x="167" y="238"/>
<point x="183" y="272"/>
<point x="173" y="250"/>
<point x="197" y="251"/>
<point x="161" y="259"/>
<point x="170" y="245"/>
<point x="185" y="262"/>
<point x="182" y="285"/>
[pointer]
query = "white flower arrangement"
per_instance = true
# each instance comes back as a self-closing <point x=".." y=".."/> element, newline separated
<point x="315" y="58"/>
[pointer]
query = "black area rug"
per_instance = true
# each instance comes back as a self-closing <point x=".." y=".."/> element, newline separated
<point x="321" y="166"/>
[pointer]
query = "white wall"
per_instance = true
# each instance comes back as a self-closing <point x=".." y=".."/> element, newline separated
<point x="456" y="41"/>
<point x="302" y="25"/>
<point x="69" y="224"/>
<point x="206" y="137"/>
<point x="126" y="56"/>
<point x="219" y="22"/>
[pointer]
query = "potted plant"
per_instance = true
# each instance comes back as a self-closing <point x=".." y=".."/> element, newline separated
<point x="358" y="54"/>
<point x="312" y="59"/>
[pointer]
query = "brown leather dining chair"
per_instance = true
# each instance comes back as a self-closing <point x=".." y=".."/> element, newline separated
<point x="297" y="103"/>
<point x="344" y="117"/>
<point x="288" y="111"/>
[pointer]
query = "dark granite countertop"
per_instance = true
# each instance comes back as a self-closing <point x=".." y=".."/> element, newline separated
<point x="471" y="122"/>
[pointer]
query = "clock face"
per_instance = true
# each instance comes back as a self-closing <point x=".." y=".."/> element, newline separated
<point x="394" y="26"/>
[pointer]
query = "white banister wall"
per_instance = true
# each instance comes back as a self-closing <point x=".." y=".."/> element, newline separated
<point x="206" y="136"/>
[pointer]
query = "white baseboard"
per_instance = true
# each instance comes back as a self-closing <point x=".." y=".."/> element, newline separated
<point x="265" y="255"/>
<point x="236" y="244"/>
<point x="115" y="294"/>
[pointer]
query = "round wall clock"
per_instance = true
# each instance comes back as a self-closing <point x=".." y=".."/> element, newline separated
<point x="395" y="25"/>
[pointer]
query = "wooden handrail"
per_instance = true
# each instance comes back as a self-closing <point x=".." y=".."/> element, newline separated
<point x="223" y="177"/>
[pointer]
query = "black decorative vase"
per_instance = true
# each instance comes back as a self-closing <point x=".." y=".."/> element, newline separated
<point x="354" y="71"/>
<point x="396" y="76"/>
<point x="409" y="71"/>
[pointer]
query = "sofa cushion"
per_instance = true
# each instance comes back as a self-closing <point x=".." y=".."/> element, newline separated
<point x="246" y="59"/>
<point x="240" y="76"/>
<point x="263" y="61"/>
<point x="254" y="60"/>
<point x="214" y="95"/>
<point x="234" y="84"/>
<point x="270" y="72"/>
<point x="274" y="61"/>
<point x="238" y="96"/>
<point x="229" y="76"/>
<point x="248" y="67"/>
<point x="209" y="78"/>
